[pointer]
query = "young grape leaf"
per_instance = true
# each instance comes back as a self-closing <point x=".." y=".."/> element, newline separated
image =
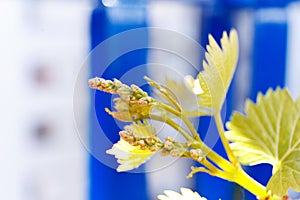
<point x="129" y="157"/>
<point x="298" y="101"/>
<point x="186" y="97"/>
<point x="187" y="194"/>
<point x="270" y="133"/>
<point x="205" y="94"/>
<point x="218" y="71"/>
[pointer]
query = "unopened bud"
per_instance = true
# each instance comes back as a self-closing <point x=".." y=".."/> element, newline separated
<point x="173" y="148"/>
<point x="138" y="92"/>
<point x="168" y="145"/>
<point x="177" y="152"/>
<point x="128" y="137"/>
<point x="164" y="152"/>
<point x="197" y="154"/>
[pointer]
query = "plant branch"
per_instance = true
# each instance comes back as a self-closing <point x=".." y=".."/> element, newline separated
<point x="225" y="142"/>
<point x="212" y="155"/>
<point x="184" y="119"/>
<point x="191" y="127"/>
<point x="164" y="92"/>
<point x="216" y="158"/>
<point x="173" y="125"/>
<point x="170" y="109"/>
<point x="247" y="182"/>
<point x="239" y="176"/>
<point x="198" y="169"/>
<point x="228" y="170"/>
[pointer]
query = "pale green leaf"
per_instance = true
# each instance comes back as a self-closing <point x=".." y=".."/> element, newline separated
<point x="186" y="96"/>
<point x="218" y="70"/>
<point x="270" y="133"/>
<point x="182" y="94"/>
<point x="298" y="101"/>
<point x="129" y="157"/>
<point x="187" y="194"/>
<point x="205" y="95"/>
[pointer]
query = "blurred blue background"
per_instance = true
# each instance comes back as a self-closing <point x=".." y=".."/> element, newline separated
<point x="44" y="47"/>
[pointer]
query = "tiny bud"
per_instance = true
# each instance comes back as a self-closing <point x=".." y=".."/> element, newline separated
<point x="93" y="82"/>
<point x="154" y="148"/>
<point x="176" y="153"/>
<point x="169" y="145"/>
<point x="126" y="136"/>
<point x="117" y="83"/>
<point x="141" y="143"/>
<point x="164" y="152"/>
<point x="170" y="139"/>
<point x="134" y="103"/>
<point x="150" y="141"/>
<point x="197" y="154"/>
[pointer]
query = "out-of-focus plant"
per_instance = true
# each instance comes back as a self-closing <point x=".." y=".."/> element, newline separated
<point x="269" y="132"/>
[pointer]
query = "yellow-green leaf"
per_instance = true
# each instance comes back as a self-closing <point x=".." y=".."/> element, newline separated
<point x="187" y="194"/>
<point x="186" y="96"/>
<point x="218" y="71"/>
<point x="129" y="157"/>
<point x="298" y="101"/>
<point x="270" y="133"/>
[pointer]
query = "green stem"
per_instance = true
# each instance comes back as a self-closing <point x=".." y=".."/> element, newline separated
<point x="184" y="119"/>
<point x="173" y="125"/>
<point x="247" y="182"/>
<point x="229" y="170"/>
<point x="209" y="165"/>
<point x="191" y="128"/>
<point x="233" y="172"/>
<point x="170" y="109"/>
<point x="224" y="140"/>
<point x="164" y="92"/>
<point x="212" y="155"/>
